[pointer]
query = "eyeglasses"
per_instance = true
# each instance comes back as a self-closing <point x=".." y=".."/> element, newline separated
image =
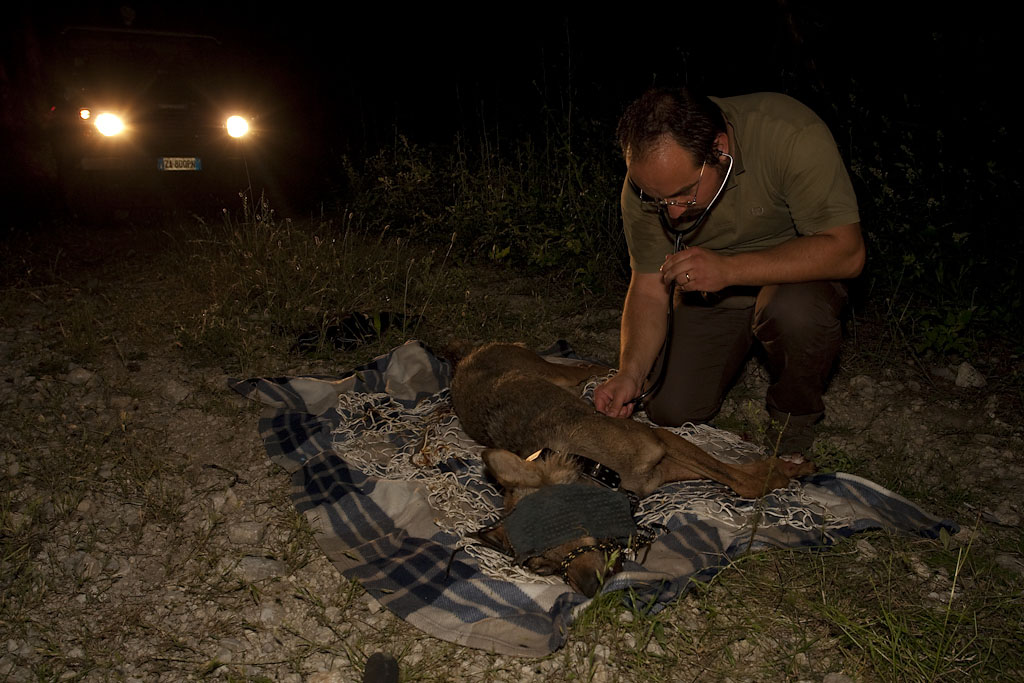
<point x="660" y="206"/>
<point x="649" y="203"/>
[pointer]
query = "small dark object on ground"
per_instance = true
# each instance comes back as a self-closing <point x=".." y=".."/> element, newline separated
<point x="353" y="330"/>
<point x="380" y="668"/>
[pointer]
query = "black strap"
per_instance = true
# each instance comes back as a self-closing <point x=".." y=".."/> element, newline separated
<point x="603" y="475"/>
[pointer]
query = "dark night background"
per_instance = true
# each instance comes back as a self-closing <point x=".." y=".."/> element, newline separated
<point x="345" y="80"/>
<point x="352" y="76"/>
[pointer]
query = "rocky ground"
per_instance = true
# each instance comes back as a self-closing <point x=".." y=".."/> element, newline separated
<point x="146" y="536"/>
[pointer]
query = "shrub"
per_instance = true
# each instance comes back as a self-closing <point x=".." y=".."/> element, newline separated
<point x="538" y="206"/>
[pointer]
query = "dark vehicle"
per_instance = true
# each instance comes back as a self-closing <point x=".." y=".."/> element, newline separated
<point x="150" y="115"/>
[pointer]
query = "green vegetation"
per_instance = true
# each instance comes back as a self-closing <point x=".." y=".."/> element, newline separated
<point x="943" y="264"/>
<point x="542" y="204"/>
<point x="942" y="256"/>
<point x="900" y="612"/>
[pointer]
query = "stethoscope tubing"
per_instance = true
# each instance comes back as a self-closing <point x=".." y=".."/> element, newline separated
<point x="666" y="225"/>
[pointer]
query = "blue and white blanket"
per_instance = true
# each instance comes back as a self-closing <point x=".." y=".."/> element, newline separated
<point x="392" y="486"/>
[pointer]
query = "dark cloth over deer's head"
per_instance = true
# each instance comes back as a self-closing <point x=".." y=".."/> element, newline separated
<point x="558" y="514"/>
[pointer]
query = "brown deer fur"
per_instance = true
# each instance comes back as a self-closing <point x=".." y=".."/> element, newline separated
<point x="513" y="401"/>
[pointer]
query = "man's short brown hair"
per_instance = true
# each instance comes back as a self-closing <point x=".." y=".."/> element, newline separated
<point x="692" y="121"/>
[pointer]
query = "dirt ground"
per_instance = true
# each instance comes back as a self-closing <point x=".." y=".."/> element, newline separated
<point x="147" y="537"/>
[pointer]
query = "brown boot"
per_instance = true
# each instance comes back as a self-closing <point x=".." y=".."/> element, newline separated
<point x="788" y="435"/>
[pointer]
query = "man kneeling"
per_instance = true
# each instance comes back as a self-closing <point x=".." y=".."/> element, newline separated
<point x="740" y="212"/>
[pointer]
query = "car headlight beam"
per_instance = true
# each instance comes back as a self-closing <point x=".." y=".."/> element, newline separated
<point x="237" y="126"/>
<point x="109" y="124"/>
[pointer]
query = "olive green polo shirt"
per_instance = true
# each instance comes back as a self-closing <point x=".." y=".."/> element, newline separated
<point x="788" y="180"/>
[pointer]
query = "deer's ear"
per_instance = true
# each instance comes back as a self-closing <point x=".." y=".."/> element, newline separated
<point x="510" y="470"/>
<point x="542" y="566"/>
<point x="496" y="538"/>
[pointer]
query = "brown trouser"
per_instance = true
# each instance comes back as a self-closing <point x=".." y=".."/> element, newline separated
<point x="799" y="329"/>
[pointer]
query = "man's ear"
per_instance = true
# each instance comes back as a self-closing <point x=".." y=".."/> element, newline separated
<point x="721" y="144"/>
<point x="510" y="470"/>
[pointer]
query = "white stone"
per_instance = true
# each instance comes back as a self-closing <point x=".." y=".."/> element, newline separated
<point x="175" y="392"/>
<point x="1003" y="515"/>
<point x="863" y="385"/>
<point x="260" y="568"/>
<point x="968" y="376"/>
<point x="79" y="376"/>
<point x="601" y="674"/>
<point x="371" y="603"/>
<point x="246" y="533"/>
<point x="270" y="615"/>
<point x="837" y="678"/>
<point x="865" y="550"/>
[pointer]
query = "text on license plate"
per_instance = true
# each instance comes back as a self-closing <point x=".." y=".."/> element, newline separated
<point x="179" y="164"/>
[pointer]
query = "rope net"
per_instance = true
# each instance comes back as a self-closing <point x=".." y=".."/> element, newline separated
<point x="384" y="439"/>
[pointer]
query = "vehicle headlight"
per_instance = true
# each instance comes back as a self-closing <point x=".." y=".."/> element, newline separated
<point x="85" y="113"/>
<point x="237" y="126"/>
<point x="109" y="124"/>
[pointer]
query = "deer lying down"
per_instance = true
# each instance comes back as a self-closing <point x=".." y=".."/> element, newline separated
<point x="517" y="404"/>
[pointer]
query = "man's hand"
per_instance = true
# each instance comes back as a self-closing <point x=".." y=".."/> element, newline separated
<point x="644" y="324"/>
<point x="833" y="254"/>
<point x="696" y="270"/>
<point x="610" y="398"/>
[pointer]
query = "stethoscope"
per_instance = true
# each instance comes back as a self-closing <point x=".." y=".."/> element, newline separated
<point x="666" y="224"/>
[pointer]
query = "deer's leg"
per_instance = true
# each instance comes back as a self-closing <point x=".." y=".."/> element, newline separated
<point x="647" y="458"/>
<point x="750" y="480"/>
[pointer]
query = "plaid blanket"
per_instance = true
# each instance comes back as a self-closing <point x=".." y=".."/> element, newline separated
<point x="391" y="486"/>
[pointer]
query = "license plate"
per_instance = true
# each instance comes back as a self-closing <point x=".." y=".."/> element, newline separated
<point x="179" y="164"/>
